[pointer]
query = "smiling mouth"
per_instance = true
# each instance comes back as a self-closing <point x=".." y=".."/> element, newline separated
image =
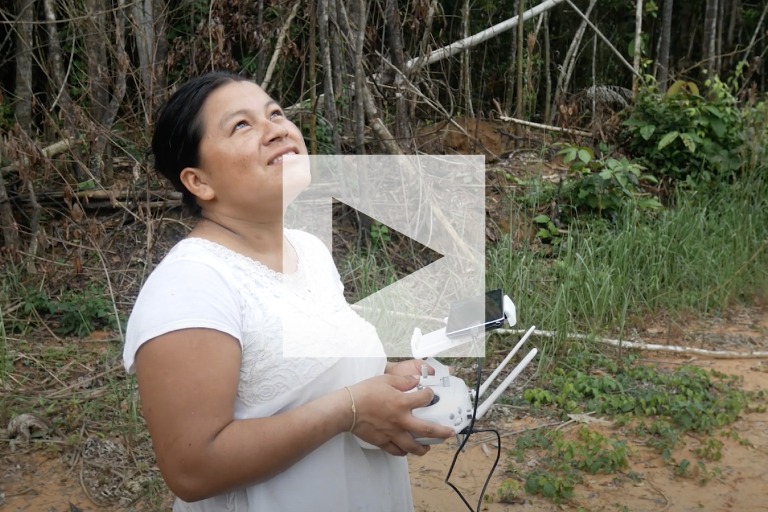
<point x="279" y="159"/>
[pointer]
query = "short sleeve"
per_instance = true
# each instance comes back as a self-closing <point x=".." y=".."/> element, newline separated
<point x="183" y="294"/>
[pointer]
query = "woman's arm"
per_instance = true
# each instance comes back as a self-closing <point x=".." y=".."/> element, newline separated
<point x="188" y="381"/>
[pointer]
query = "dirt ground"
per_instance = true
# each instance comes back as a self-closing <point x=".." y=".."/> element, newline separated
<point x="40" y="479"/>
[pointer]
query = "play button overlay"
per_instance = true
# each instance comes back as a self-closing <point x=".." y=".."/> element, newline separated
<point x="370" y="255"/>
<point x="437" y="201"/>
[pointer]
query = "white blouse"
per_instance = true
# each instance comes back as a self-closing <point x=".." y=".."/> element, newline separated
<point x="300" y="340"/>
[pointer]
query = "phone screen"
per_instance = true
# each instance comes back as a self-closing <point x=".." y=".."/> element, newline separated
<point x="477" y="313"/>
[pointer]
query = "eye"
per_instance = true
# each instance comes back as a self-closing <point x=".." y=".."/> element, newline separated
<point x="240" y="124"/>
<point x="276" y="113"/>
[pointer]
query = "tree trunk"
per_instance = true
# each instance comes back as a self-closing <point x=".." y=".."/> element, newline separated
<point x="465" y="81"/>
<point x="637" y="62"/>
<point x="101" y="152"/>
<point x="60" y="90"/>
<point x="144" y="39"/>
<point x="261" y="57"/>
<point x="56" y="65"/>
<point x="312" y="74"/>
<point x="511" y="74"/>
<point x="160" y="72"/>
<point x="710" y="37"/>
<point x="98" y="85"/>
<point x="403" y="122"/>
<point x="734" y="20"/>
<point x="359" y="111"/>
<point x="547" y="69"/>
<point x="325" y="57"/>
<point x="664" y="45"/>
<point x="520" y="31"/>
<point x="25" y="11"/>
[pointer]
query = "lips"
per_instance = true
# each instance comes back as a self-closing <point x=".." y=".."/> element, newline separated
<point x="279" y="158"/>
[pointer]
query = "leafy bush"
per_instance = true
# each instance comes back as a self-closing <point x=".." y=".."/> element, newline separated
<point x="687" y="135"/>
<point x="603" y="185"/>
<point x="74" y="312"/>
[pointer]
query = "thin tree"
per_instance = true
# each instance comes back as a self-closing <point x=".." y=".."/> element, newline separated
<point x="520" y="31"/>
<point x="710" y="38"/>
<point x="638" y="45"/>
<point x="664" y="45"/>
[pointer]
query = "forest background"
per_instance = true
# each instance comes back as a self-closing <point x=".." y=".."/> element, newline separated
<point x="626" y="145"/>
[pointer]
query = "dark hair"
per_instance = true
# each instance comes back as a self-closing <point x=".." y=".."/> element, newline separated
<point x="178" y="130"/>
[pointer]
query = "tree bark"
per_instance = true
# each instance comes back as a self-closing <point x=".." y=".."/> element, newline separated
<point x="509" y="103"/>
<point x="547" y="69"/>
<point x="148" y="43"/>
<point x="279" y="45"/>
<point x="520" y="31"/>
<point x="734" y="20"/>
<point x="403" y="99"/>
<point x="25" y="10"/>
<point x="98" y="84"/>
<point x="465" y="80"/>
<point x="312" y="74"/>
<point x="710" y="37"/>
<point x="665" y="43"/>
<point x="359" y="111"/>
<point x="325" y="57"/>
<point x="637" y="62"/>
<point x="101" y="152"/>
<point x="56" y="66"/>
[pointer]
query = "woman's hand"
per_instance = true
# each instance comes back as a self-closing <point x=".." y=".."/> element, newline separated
<point x="384" y="407"/>
<point x="411" y="367"/>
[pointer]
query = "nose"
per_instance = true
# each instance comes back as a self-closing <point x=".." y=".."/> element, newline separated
<point x="275" y="131"/>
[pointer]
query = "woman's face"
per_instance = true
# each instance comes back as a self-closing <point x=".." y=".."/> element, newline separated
<point x="245" y="137"/>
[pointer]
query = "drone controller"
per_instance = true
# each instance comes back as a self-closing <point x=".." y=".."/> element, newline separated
<point x="451" y="405"/>
<point x="454" y="404"/>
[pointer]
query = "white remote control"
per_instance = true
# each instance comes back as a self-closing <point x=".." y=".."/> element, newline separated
<point x="451" y="405"/>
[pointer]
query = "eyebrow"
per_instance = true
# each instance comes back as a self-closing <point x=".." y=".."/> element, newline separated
<point x="243" y="112"/>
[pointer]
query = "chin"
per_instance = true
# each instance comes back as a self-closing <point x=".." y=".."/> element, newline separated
<point x="296" y="177"/>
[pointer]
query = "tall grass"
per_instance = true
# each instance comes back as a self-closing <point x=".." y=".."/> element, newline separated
<point x="700" y="256"/>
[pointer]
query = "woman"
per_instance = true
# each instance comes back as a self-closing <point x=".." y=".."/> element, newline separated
<point x="234" y="424"/>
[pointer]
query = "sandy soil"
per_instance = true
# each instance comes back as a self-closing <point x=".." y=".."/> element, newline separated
<point x="741" y="486"/>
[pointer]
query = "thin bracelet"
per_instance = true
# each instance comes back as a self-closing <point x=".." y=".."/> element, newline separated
<point x="354" y="410"/>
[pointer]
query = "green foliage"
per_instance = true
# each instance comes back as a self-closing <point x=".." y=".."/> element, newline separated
<point x="554" y="485"/>
<point x="379" y="235"/>
<point x="711" y="449"/>
<point x="548" y="232"/>
<point x="73" y="312"/>
<point x="703" y="255"/>
<point x="688" y="397"/>
<point x="510" y="491"/>
<point x="688" y="135"/>
<point x="593" y="453"/>
<point x="665" y="405"/>
<point x="603" y="185"/>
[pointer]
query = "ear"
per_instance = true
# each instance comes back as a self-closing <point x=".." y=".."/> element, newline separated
<point x="196" y="181"/>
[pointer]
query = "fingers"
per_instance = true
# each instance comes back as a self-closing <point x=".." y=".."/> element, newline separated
<point x="404" y="382"/>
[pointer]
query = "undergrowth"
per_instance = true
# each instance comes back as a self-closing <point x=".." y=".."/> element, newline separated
<point x="646" y="404"/>
<point x="704" y="255"/>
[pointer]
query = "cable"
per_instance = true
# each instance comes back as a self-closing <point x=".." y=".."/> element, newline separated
<point x="470" y="430"/>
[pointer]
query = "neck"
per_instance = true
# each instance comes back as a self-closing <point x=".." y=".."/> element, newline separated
<point x="248" y="238"/>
